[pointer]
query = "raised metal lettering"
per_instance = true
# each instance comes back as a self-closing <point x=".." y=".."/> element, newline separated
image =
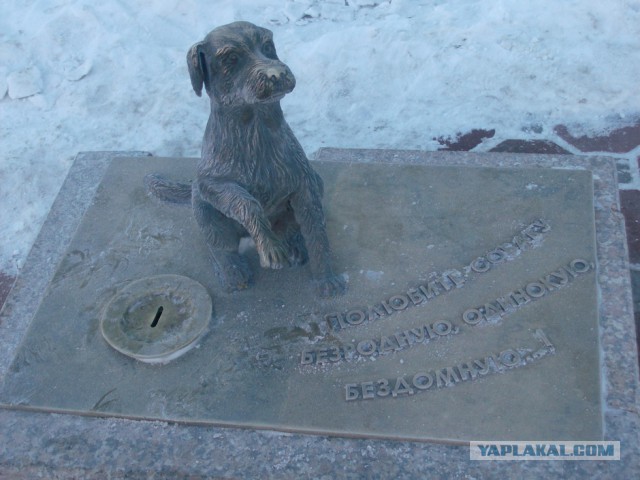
<point x="442" y="327"/>
<point x="403" y="339"/>
<point x="519" y="297"/>
<point x="351" y="392"/>
<point x="348" y="350"/>
<point x="541" y="226"/>
<point x="519" y="242"/>
<point x="483" y="365"/>
<point x="549" y="286"/>
<point x="535" y="290"/>
<point x="457" y="278"/>
<point x="492" y="310"/>
<point x="504" y="304"/>
<point x="387" y="308"/>
<point x="356" y="317"/>
<point x="422" y="381"/>
<point x="336" y="354"/>
<point x="480" y="265"/>
<point x="472" y="316"/>
<point x="580" y="266"/>
<point x="496" y="256"/>
<point x="466" y="371"/>
<point x="363" y="350"/>
<point x="377" y="312"/>
<point x="367" y="390"/>
<point x="510" y="358"/>
<point x="385" y="345"/>
<point x="418" y="333"/>
<point x="415" y="296"/>
<point x="383" y="388"/>
<point x="570" y="272"/>
<point x="558" y="278"/>
<point x="334" y="320"/>
<point x="540" y="335"/>
<point x="306" y="357"/>
<point x="402" y="388"/>
<point x="445" y="285"/>
<point x="446" y="377"/>
<point x="322" y="356"/>
<point x="399" y="302"/>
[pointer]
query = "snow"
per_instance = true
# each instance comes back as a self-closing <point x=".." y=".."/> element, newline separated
<point x="24" y="83"/>
<point x="79" y="75"/>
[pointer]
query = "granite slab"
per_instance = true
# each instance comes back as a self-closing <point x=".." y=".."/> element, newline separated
<point x="169" y="449"/>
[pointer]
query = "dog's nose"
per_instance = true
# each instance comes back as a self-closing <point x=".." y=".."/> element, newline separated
<point x="274" y="73"/>
<point x="279" y="78"/>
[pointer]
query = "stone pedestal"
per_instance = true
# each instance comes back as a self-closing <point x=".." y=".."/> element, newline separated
<point x="488" y="300"/>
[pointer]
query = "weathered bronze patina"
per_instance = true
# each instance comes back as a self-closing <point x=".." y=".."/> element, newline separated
<point x="253" y="179"/>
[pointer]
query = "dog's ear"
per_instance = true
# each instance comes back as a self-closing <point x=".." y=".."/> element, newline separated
<point x="196" y="61"/>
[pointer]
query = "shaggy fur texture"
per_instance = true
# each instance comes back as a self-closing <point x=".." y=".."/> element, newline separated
<point x="253" y="178"/>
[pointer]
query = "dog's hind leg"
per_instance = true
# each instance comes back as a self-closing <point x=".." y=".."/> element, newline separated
<point x="286" y="227"/>
<point x="307" y="207"/>
<point x="222" y="235"/>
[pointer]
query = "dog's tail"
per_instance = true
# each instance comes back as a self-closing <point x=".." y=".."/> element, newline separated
<point x="167" y="190"/>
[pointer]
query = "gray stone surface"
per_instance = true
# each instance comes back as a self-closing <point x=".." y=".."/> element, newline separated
<point x="429" y="253"/>
<point x="68" y="446"/>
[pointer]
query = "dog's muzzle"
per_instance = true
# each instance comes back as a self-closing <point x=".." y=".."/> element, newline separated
<point x="275" y="82"/>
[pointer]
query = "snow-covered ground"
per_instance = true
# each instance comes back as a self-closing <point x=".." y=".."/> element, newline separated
<point x="78" y="75"/>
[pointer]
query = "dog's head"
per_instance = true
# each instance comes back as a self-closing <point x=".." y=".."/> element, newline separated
<point x="238" y="65"/>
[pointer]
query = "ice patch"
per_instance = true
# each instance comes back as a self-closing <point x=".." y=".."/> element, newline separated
<point x="372" y="275"/>
<point x="24" y="83"/>
<point x="76" y="68"/>
<point x="3" y="81"/>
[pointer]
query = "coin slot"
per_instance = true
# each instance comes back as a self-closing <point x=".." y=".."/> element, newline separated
<point x="156" y="319"/>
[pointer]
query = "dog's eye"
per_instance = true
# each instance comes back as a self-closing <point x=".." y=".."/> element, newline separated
<point x="269" y="49"/>
<point x="231" y="59"/>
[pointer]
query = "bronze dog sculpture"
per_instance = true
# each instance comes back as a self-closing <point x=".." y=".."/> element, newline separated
<point x="253" y="178"/>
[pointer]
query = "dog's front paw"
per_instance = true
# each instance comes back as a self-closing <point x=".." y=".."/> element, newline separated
<point x="332" y="286"/>
<point x="273" y="254"/>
